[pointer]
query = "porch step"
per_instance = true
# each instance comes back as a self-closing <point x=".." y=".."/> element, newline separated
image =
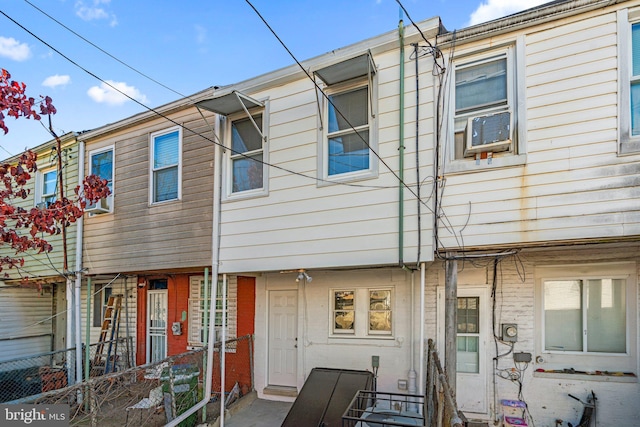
<point x="275" y="390"/>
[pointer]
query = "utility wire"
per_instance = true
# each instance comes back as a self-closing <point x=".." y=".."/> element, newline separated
<point x="329" y="100"/>
<point x="150" y="109"/>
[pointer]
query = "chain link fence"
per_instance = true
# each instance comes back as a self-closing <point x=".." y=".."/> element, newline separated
<point x="239" y="367"/>
<point x="28" y="376"/>
<point x="152" y="394"/>
<point x="149" y="395"/>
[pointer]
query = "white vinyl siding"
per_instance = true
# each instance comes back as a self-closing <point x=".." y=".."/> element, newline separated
<point x="629" y="80"/>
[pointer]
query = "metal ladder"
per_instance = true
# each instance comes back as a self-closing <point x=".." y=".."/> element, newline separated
<point x="104" y="361"/>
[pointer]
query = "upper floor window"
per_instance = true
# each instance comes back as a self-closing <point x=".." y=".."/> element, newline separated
<point x="361" y="312"/>
<point x="101" y="164"/>
<point x="347" y="128"/>
<point x="247" y="156"/>
<point x="485" y="109"/>
<point x="629" y="76"/>
<point x="47" y="187"/>
<point x="166" y="165"/>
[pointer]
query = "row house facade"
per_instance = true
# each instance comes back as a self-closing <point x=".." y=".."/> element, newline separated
<point x="329" y="201"/>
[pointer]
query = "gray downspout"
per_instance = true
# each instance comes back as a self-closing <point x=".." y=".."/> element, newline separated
<point x="78" y="273"/>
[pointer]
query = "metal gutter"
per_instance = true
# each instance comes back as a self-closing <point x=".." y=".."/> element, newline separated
<point x="528" y="18"/>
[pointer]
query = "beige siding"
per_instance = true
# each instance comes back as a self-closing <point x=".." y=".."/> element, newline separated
<point x="573" y="185"/>
<point x="47" y="265"/>
<point x="140" y="237"/>
<point x="302" y="223"/>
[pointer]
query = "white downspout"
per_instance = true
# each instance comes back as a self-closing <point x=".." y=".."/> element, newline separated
<point x="215" y="256"/>
<point x="223" y="353"/>
<point x="78" y="272"/>
<point x="421" y="362"/>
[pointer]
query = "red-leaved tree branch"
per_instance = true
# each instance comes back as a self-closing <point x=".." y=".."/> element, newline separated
<point x="23" y="229"/>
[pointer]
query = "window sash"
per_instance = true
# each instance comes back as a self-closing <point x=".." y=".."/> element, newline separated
<point x="247" y="157"/>
<point x="102" y="166"/>
<point x="166" y="166"/>
<point x="348" y="127"/>
<point x="483" y="85"/>
<point x="362" y="312"/>
<point x="585" y="315"/>
<point x="49" y="186"/>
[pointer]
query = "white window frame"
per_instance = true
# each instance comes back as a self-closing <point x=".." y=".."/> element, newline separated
<point x="361" y="301"/>
<point x="371" y="82"/>
<point x="627" y="143"/>
<point x="230" y="156"/>
<point x="40" y="194"/>
<point x="583" y="360"/>
<point x="195" y="324"/>
<point x="113" y="170"/>
<point x="152" y="170"/>
<point x="513" y="52"/>
<point x="100" y="301"/>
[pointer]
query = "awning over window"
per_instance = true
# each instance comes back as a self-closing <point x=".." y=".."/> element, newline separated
<point x="230" y="103"/>
<point x="346" y="70"/>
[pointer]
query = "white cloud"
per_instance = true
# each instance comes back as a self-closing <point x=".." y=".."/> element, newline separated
<point x="57" y="80"/>
<point x="13" y="49"/>
<point x="94" y="10"/>
<point x="201" y="34"/>
<point x="493" y="9"/>
<point x="106" y="94"/>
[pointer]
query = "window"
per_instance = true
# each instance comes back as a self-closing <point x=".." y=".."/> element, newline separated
<point x="197" y="305"/>
<point x="347" y="119"/>
<point x="47" y="187"/>
<point x="166" y="168"/>
<point x="247" y="160"/>
<point x="100" y="301"/>
<point x="468" y="335"/>
<point x="348" y="131"/>
<point x="101" y="164"/>
<point x="485" y="109"/>
<point x="629" y="76"/>
<point x="361" y="312"/>
<point x="586" y="317"/>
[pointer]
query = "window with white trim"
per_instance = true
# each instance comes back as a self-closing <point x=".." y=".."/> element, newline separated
<point x="166" y="165"/>
<point x="629" y="77"/>
<point x="47" y="181"/>
<point x="348" y="131"/>
<point x="100" y="303"/>
<point x="587" y="316"/>
<point x="101" y="164"/>
<point x="246" y="160"/>
<point x="486" y="106"/>
<point x="361" y="312"/>
<point x="197" y="304"/>
<point x="347" y="119"/>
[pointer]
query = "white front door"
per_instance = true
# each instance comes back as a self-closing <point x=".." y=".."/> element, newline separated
<point x="472" y="334"/>
<point x="156" y="325"/>
<point x="283" y="338"/>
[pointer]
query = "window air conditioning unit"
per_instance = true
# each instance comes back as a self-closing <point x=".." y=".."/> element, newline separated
<point x="488" y="133"/>
<point x="100" y="207"/>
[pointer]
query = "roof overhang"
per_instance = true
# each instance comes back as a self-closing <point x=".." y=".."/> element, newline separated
<point x="358" y="66"/>
<point x="231" y="103"/>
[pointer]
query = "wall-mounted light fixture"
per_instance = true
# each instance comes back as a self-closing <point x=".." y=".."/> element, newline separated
<point x="302" y="275"/>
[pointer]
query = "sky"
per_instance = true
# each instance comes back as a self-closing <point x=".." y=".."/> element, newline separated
<point x="159" y="51"/>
